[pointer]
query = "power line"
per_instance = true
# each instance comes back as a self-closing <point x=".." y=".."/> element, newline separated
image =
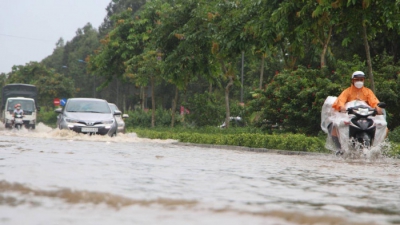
<point x="28" y="38"/>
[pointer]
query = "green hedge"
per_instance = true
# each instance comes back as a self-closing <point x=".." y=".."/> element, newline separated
<point x="294" y="142"/>
<point x="239" y="137"/>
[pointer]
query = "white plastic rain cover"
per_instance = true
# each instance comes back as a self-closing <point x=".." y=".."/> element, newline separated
<point x="342" y="120"/>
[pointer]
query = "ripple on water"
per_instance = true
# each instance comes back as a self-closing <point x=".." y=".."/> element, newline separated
<point x="118" y="202"/>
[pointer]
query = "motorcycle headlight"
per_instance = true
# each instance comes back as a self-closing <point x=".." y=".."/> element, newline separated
<point x="108" y="121"/>
<point x="69" y="120"/>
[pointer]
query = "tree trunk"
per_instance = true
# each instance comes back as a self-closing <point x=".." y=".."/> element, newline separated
<point x="153" y="103"/>
<point x="367" y="52"/>
<point x="174" y="104"/>
<point x="284" y="55"/>
<point x="262" y="70"/>
<point x="184" y="100"/>
<point x="228" y="113"/>
<point x="124" y="102"/>
<point x="117" y="92"/>
<point x="143" y="97"/>
<point x="325" y="48"/>
<point x="210" y="86"/>
<point x="227" y="89"/>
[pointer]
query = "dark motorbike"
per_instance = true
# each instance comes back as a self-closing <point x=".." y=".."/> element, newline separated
<point x="18" y="122"/>
<point x="362" y="128"/>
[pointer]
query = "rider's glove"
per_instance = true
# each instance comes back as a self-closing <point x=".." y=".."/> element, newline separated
<point x="379" y="111"/>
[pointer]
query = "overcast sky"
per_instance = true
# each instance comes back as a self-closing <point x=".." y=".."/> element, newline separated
<point x="29" y="29"/>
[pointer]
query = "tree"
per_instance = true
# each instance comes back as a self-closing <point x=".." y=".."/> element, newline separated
<point x="129" y="52"/>
<point x="50" y="84"/>
<point x="261" y="31"/>
<point x="116" y="7"/>
<point x="293" y="99"/>
<point x="368" y="17"/>
<point x="184" y="39"/>
<point x="116" y="48"/>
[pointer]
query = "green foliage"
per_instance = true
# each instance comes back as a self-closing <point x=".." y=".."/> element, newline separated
<point x="163" y="118"/>
<point x="141" y="118"/>
<point x="138" y="118"/>
<point x="205" y="110"/>
<point x="49" y="83"/>
<point x="394" y="135"/>
<point x="47" y="116"/>
<point x="394" y="151"/>
<point x="387" y="84"/>
<point x="294" y="142"/>
<point x="294" y="100"/>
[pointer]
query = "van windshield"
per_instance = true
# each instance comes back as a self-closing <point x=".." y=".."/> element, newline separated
<point x="26" y="105"/>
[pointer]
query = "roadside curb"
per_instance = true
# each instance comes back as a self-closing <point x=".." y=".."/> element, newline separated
<point x="249" y="149"/>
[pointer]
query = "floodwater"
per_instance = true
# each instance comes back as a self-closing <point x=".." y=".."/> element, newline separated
<point x="48" y="176"/>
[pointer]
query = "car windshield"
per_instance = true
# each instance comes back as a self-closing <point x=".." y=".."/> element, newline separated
<point x="87" y="106"/>
<point x="113" y="107"/>
<point x="26" y="105"/>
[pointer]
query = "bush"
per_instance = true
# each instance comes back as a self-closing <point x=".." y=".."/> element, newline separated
<point x="394" y="136"/>
<point x="205" y="110"/>
<point x="294" y="142"/>
<point x="47" y="116"/>
<point x="394" y="151"/>
<point x="294" y="100"/>
<point x="141" y="118"/>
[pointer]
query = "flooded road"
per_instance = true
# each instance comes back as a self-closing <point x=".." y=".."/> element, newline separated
<point x="58" y="177"/>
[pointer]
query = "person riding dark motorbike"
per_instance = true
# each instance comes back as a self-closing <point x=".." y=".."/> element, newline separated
<point x="357" y="91"/>
<point x="17" y="111"/>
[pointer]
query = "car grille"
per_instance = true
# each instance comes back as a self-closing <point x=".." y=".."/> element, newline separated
<point x="89" y="123"/>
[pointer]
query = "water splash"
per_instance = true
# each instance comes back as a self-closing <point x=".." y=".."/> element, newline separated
<point x="44" y="131"/>
<point x="361" y="151"/>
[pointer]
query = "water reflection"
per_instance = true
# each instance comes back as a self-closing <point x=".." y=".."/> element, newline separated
<point x="69" y="178"/>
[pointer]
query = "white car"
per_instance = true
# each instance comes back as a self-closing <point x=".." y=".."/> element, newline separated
<point x="89" y="116"/>
<point x="119" y="118"/>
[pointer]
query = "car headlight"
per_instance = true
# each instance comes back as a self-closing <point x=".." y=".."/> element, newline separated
<point x="108" y="121"/>
<point x="69" y="120"/>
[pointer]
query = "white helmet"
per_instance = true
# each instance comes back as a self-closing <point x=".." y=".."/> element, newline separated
<point x="358" y="74"/>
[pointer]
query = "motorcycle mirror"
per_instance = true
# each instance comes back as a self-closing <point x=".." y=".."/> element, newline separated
<point x="382" y="105"/>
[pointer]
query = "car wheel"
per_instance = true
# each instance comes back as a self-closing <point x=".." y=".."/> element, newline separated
<point x="113" y="134"/>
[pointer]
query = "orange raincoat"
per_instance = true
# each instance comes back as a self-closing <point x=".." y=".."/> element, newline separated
<point x="353" y="93"/>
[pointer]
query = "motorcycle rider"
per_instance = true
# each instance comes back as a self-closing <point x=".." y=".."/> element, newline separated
<point x="17" y="110"/>
<point x="357" y="91"/>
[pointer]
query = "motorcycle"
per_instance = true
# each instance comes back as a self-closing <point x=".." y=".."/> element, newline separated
<point x="358" y="131"/>
<point x="18" y="122"/>
<point x="362" y="128"/>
